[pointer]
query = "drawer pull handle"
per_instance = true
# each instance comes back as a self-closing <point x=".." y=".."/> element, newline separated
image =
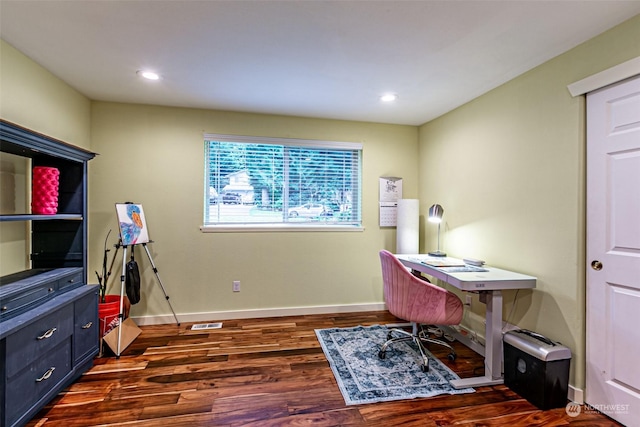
<point x="5" y="308"/>
<point x="87" y="326"/>
<point x="46" y="375"/>
<point x="50" y="289"/>
<point x="71" y="281"/>
<point x="47" y="334"/>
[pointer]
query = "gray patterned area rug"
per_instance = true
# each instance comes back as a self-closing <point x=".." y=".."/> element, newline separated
<point x="365" y="378"/>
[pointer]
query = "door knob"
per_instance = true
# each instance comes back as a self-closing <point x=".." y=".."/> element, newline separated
<point x="596" y="265"/>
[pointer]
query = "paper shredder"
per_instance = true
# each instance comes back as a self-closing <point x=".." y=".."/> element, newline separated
<point x="536" y="368"/>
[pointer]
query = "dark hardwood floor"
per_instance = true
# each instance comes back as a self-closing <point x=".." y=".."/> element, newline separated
<point x="268" y="372"/>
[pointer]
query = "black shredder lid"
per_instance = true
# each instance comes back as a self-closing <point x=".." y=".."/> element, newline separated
<point x="537" y="345"/>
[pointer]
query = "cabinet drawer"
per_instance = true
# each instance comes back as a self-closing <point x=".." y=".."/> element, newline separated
<point x="37" y="339"/>
<point x="70" y="281"/>
<point x="15" y="303"/>
<point x="24" y="290"/>
<point x="85" y="337"/>
<point x="40" y="378"/>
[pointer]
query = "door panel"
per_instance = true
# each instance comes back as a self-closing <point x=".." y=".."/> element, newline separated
<point x="613" y="239"/>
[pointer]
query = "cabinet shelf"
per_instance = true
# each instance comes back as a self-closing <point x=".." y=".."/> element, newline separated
<point x="34" y="217"/>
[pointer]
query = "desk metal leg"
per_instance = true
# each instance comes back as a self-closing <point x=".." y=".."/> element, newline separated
<point x="493" y="346"/>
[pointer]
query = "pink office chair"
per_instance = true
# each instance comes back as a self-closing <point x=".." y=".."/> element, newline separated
<point x="419" y="302"/>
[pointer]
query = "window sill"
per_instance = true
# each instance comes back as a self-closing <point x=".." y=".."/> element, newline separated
<point x="250" y="228"/>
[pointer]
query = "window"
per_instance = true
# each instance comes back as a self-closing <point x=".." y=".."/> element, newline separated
<point x="280" y="183"/>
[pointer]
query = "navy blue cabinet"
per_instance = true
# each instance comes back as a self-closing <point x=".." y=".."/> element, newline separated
<point x="48" y="313"/>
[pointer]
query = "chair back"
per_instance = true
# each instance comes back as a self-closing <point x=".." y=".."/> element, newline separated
<point x="414" y="300"/>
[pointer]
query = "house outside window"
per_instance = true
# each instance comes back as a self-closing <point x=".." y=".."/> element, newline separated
<point x="272" y="183"/>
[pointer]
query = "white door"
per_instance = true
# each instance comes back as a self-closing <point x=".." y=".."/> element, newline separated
<point x="613" y="251"/>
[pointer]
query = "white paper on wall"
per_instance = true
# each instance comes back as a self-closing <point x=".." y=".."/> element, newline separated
<point x="390" y="193"/>
<point x="390" y="189"/>
<point x="388" y="214"/>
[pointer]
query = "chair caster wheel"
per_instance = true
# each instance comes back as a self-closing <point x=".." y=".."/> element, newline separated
<point x="382" y="354"/>
<point x="451" y="357"/>
<point x="424" y="368"/>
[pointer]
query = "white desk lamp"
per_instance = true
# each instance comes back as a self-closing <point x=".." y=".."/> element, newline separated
<point x="435" y="216"/>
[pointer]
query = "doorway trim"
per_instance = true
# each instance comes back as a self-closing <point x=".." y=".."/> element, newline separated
<point x="604" y="78"/>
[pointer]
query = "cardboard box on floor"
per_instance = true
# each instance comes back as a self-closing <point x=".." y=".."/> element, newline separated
<point x="130" y="332"/>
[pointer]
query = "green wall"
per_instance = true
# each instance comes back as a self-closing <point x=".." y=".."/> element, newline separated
<point x="32" y="97"/>
<point x="155" y="156"/>
<point x="509" y="170"/>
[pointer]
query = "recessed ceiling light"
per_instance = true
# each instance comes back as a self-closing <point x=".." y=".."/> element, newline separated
<point x="389" y="97"/>
<point x="150" y="75"/>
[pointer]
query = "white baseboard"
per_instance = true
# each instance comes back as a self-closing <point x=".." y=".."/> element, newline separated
<point x="576" y="395"/>
<point x="251" y="314"/>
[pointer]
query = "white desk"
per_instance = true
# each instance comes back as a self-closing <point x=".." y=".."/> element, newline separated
<point x="489" y="284"/>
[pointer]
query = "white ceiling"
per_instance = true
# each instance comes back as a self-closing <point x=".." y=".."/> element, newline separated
<point x="326" y="59"/>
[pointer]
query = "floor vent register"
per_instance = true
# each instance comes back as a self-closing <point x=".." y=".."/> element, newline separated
<point x="203" y="326"/>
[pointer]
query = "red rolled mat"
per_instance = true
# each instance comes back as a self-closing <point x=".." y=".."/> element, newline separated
<point x="44" y="190"/>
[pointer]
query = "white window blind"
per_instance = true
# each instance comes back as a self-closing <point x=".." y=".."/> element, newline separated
<point x="270" y="181"/>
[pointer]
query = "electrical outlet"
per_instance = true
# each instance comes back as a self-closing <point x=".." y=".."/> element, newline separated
<point x="468" y="300"/>
<point x="236" y="286"/>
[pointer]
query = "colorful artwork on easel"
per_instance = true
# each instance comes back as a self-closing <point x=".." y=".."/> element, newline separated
<point x="133" y="227"/>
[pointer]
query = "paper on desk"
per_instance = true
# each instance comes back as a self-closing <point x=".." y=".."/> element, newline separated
<point x="463" y="269"/>
<point x="442" y="262"/>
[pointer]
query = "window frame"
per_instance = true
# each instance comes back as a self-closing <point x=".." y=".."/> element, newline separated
<point x="284" y="226"/>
